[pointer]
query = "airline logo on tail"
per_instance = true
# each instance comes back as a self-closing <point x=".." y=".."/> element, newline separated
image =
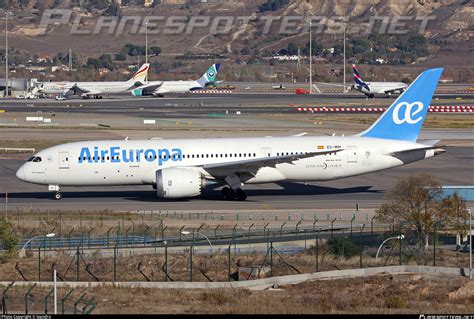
<point x="410" y="111"/>
<point x="141" y="74"/>
<point x="358" y="80"/>
<point x="210" y="75"/>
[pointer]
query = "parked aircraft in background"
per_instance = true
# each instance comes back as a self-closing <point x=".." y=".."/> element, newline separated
<point x="158" y="88"/>
<point x="94" y="89"/>
<point x="184" y="167"/>
<point x="371" y="89"/>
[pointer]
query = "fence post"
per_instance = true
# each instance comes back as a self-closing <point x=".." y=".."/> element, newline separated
<point x="317" y="250"/>
<point x="108" y="234"/>
<point x="332" y="228"/>
<point x="361" y="246"/>
<point x="265" y="230"/>
<point x="372" y="225"/>
<point x="281" y="229"/>
<point x="115" y="261"/>
<point x="78" y="254"/>
<point x="271" y="259"/>
<point x="191" y="263"/>
<point x="352" y="220"/>
<point x="39" y="263"/>
<point x="314" y="224"/>
<point x="27" y="294"/>
<point x="63" y="300"/>
<point x="248" y="234"/>
<point x="166" y="261"/>
<point x="46" y="301"/>
<point x="228" y="263"/>
<point x="4" y="298"/>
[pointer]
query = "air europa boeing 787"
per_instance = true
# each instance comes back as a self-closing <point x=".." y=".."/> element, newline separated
<point x="184" y="167"/>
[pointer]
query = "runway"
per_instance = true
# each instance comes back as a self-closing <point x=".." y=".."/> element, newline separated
<point x="198" y="105"/>
<point x="452" y="168"/>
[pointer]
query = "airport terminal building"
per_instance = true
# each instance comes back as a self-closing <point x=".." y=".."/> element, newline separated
<point x="16" y="87"/>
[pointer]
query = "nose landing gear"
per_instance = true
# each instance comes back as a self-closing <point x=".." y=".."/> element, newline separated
<point x="57" y="191"/>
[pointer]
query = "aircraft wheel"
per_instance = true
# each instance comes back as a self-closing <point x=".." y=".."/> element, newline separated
<point x="58" y="196"/>
<point x="228" y="193"/>
<point x="240" y="194"/>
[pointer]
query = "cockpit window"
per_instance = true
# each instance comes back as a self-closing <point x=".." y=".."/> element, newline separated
<point x="37" y="159"/>
<point x="31" y="159"/>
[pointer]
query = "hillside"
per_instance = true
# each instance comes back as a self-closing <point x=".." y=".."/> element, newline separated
<point x="453" y="27"/>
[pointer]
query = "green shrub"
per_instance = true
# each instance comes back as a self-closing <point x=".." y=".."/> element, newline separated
<point x="343" y="247"/>
<point x="8" y="240"/>
<point x="395" y="301"/>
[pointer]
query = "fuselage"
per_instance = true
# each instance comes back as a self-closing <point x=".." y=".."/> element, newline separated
<point x="114" y="87"/>
<point x="177" y="87"/>
<point x="382" y="87"/>
<point x="135" y="162"/>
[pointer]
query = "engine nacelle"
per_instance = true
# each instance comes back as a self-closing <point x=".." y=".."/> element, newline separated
<point x="178" y="183"/>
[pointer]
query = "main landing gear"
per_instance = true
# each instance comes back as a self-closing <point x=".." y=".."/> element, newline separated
<point x="230" y="194"/>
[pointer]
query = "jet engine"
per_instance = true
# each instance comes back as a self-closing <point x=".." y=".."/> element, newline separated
<point x="179" y="182"/>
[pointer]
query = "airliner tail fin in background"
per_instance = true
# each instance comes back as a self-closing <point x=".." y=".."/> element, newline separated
<point x="210" y="75"/>
<point x="404" y="118"/>
<point x="358" y="79"/>
<point x="140" y="75"/>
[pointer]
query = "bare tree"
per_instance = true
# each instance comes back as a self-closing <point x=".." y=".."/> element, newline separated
<point x="417" y="201"/>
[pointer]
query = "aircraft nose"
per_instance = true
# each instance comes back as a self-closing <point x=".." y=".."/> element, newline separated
<point x="20" y="173"/>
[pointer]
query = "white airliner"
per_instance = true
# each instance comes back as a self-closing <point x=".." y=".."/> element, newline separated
<point x="158" y="88"/>
<point x="371" y="89"/>
<point x="94" y="89"/>
<point x="184" y="167"/>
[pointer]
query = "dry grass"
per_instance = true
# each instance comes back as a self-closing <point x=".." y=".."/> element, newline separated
<point x="377" y="294"/>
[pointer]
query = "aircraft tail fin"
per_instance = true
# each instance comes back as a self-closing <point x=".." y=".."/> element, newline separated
<point x="404" y="118"/>
<point x="140" y="75"/>
<point x="210" y="75"/>
<point x="358" y="79"/>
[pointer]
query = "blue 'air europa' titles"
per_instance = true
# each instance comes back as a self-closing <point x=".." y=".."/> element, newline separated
<point x="115" y="154"/>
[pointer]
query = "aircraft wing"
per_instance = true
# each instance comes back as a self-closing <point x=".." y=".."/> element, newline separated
<point x="149" y="86"/>
<point x="251" y="166"/>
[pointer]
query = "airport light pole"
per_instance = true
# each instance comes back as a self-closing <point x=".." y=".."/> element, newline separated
<point x="399" y="237"/>
<point x="344" y="59"/>
<point x="185" y="233"/>
<point x="146" y="42"/>
<point x="470" y="243"/>
<point x="310" y="60"/>
<point x="21" y="253"/>
<point x="146" y="47"/>
<point x="6" y="54"/>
